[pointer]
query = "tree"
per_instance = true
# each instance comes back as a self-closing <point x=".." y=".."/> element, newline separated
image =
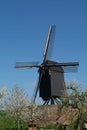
<point x="31" y="113"/>
<point x="2" y="93"/>
<point x="16" y="102"/>
<point x="6" y="121"/>
<point x="73" y="104"/>
<point x="34" y="114"/>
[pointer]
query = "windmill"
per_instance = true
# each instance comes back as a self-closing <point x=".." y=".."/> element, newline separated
<point x="51" y="74"/>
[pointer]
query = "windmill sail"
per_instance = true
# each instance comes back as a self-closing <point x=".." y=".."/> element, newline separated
<point x="49" y="43"/>
<point x="26" y="65"/>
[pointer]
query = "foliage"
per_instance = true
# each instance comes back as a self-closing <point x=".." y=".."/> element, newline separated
<point x="2" y="93"/>
<point x="21" y="108"/>
<point x="52" y="126"/>
<point x="35" y="114"/>
<point x="73" y="104"/>
<point x="85" y="117"/>
<point x="7" y="121"/>
<point x="15" y="103"/>
<point x="31" y="113"/>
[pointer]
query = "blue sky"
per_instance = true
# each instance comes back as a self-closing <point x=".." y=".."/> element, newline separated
<point x="23" y="30"/>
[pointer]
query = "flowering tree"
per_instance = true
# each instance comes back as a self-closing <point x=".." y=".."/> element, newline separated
<point x="21" y="108"/>
<point x="16" y="102"/>
<point x="2" y="93"/>
<point x="73" y="104"/>
<point x="34" y="113"/>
